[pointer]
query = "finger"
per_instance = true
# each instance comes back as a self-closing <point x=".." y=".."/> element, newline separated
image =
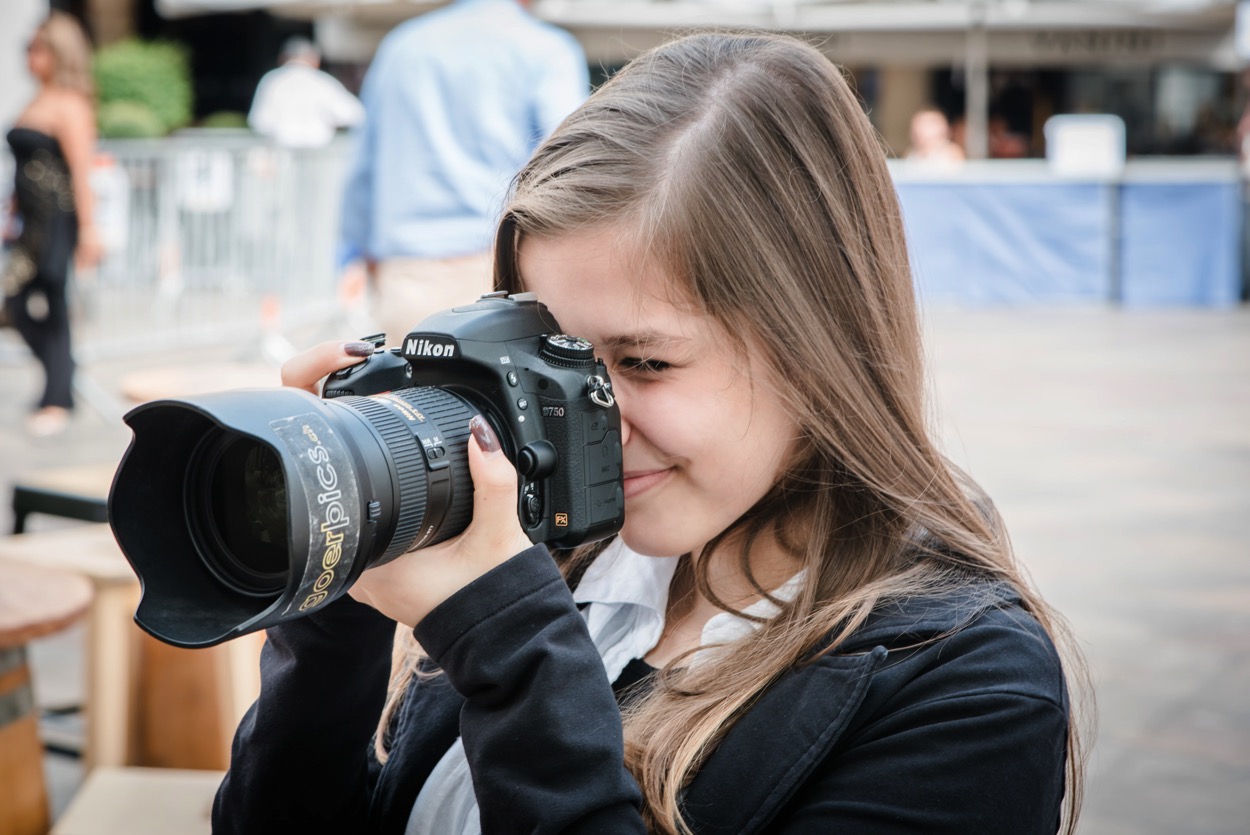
<point x="305" y="369"/>
<point x="491" y="470"/>
<point x="494" y="485"/>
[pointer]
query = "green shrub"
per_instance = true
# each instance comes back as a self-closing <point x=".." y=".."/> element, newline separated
<point x="155" y="74"/>
<point x="128" y="120"/>
<point x="225" y="119"/>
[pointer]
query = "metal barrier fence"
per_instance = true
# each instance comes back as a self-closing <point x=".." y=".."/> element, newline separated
<point x="210" y="237"/>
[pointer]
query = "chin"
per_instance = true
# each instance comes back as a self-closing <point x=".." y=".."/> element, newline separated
<point x="651" y="546"/>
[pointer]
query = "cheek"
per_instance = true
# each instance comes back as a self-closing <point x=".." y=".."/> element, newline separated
<point x="662" y="416"/>
<point x="759" y="437"/>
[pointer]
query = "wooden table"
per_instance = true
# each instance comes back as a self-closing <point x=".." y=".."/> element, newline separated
<point x="147" y="703"/>
<point x="34" y="601"/>
<point x="142" y="801"/>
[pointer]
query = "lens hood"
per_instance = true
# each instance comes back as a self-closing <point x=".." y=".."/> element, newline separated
<point x="283" y="461"/>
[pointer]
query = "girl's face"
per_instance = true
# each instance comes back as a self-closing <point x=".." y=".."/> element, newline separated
<point x="39" y="57"/>
<point x="703" y="434"/>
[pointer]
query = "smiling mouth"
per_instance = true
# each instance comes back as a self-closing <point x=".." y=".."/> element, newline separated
<point x="637" y="483"/>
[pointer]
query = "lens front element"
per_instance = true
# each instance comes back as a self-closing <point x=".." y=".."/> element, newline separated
<point x="240" y="511"/>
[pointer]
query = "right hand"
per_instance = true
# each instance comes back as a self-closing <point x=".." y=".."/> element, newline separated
<point x="307" y="369"/>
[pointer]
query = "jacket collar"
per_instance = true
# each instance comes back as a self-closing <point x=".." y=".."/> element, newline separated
<point x="769" y="753"/>
<point x="777" y="744"/>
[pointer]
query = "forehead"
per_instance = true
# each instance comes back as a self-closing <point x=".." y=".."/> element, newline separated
<point x="601" y="284"/>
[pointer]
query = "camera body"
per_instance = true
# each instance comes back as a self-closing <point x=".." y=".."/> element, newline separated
<point x="545" y="394"/>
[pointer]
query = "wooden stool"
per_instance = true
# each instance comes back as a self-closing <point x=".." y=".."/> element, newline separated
<point x="34" y="601"/>
<point x="73" y="492"/>
<point x="147" y="703"/>
<point x="142" y="801"/>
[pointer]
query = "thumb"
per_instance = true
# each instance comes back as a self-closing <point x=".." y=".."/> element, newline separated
<point x="494" y="486"/>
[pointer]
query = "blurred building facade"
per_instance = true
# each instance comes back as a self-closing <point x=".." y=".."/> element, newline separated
<point x="998" y="68"/>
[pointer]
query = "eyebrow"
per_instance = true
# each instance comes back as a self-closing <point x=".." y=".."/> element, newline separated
<point x="648" y="339"/>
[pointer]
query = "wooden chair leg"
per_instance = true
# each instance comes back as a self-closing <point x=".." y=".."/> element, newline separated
<point x="112" y="675"/>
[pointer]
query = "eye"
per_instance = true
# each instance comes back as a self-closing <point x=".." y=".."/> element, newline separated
<point x="641" y="365"/>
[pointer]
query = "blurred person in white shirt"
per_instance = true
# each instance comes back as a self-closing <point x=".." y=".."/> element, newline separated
<point x="299" y="106"/>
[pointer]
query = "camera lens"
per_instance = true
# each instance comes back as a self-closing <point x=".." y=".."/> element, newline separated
<point x="240" y="511"/>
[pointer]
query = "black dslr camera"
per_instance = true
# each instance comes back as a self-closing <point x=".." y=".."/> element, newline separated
<point x="242" y="509"/>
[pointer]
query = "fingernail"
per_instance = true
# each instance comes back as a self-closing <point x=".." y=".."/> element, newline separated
<point x="484" y="434"/>
<point x="358" y="349"/>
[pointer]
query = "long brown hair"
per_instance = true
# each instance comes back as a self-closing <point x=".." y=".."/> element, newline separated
<point x="71" y="53"/>
<point x="745" y="165"/>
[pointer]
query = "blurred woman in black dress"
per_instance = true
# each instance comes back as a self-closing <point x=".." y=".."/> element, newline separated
<point x="53" y="143"/>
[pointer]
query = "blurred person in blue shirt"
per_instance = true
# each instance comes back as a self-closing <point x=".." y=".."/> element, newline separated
<point x="455" y="101"/>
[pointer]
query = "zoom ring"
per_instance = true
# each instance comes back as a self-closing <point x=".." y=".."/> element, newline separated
<point x="404" y="451"/>
<point x="451" y="415"/>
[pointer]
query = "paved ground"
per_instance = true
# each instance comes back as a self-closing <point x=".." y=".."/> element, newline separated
<point x="1117" y="445"/>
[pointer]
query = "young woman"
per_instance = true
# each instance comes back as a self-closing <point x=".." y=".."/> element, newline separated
<point x="810" y="621"/>
<point x="53" y="143"/>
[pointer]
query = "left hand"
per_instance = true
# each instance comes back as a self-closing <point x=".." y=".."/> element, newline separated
<point x="409" y="587"/>
<point x="90" y="250"/>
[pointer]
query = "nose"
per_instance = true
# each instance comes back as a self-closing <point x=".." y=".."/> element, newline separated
<point x="627" y="428"/>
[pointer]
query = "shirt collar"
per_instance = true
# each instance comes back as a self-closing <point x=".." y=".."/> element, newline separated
<point x="621" y="576"/>
<point x="727" y="627"/>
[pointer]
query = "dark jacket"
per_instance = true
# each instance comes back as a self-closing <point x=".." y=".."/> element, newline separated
<point x="897" y="732"/>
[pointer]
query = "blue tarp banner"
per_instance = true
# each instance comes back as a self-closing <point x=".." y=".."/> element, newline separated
<point x="1181" y="244"/>
<point x="1051" y="242"/>
<point x="1013" y="243"/>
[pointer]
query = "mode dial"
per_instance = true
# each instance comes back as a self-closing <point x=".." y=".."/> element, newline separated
<point x="568" y="351"/>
